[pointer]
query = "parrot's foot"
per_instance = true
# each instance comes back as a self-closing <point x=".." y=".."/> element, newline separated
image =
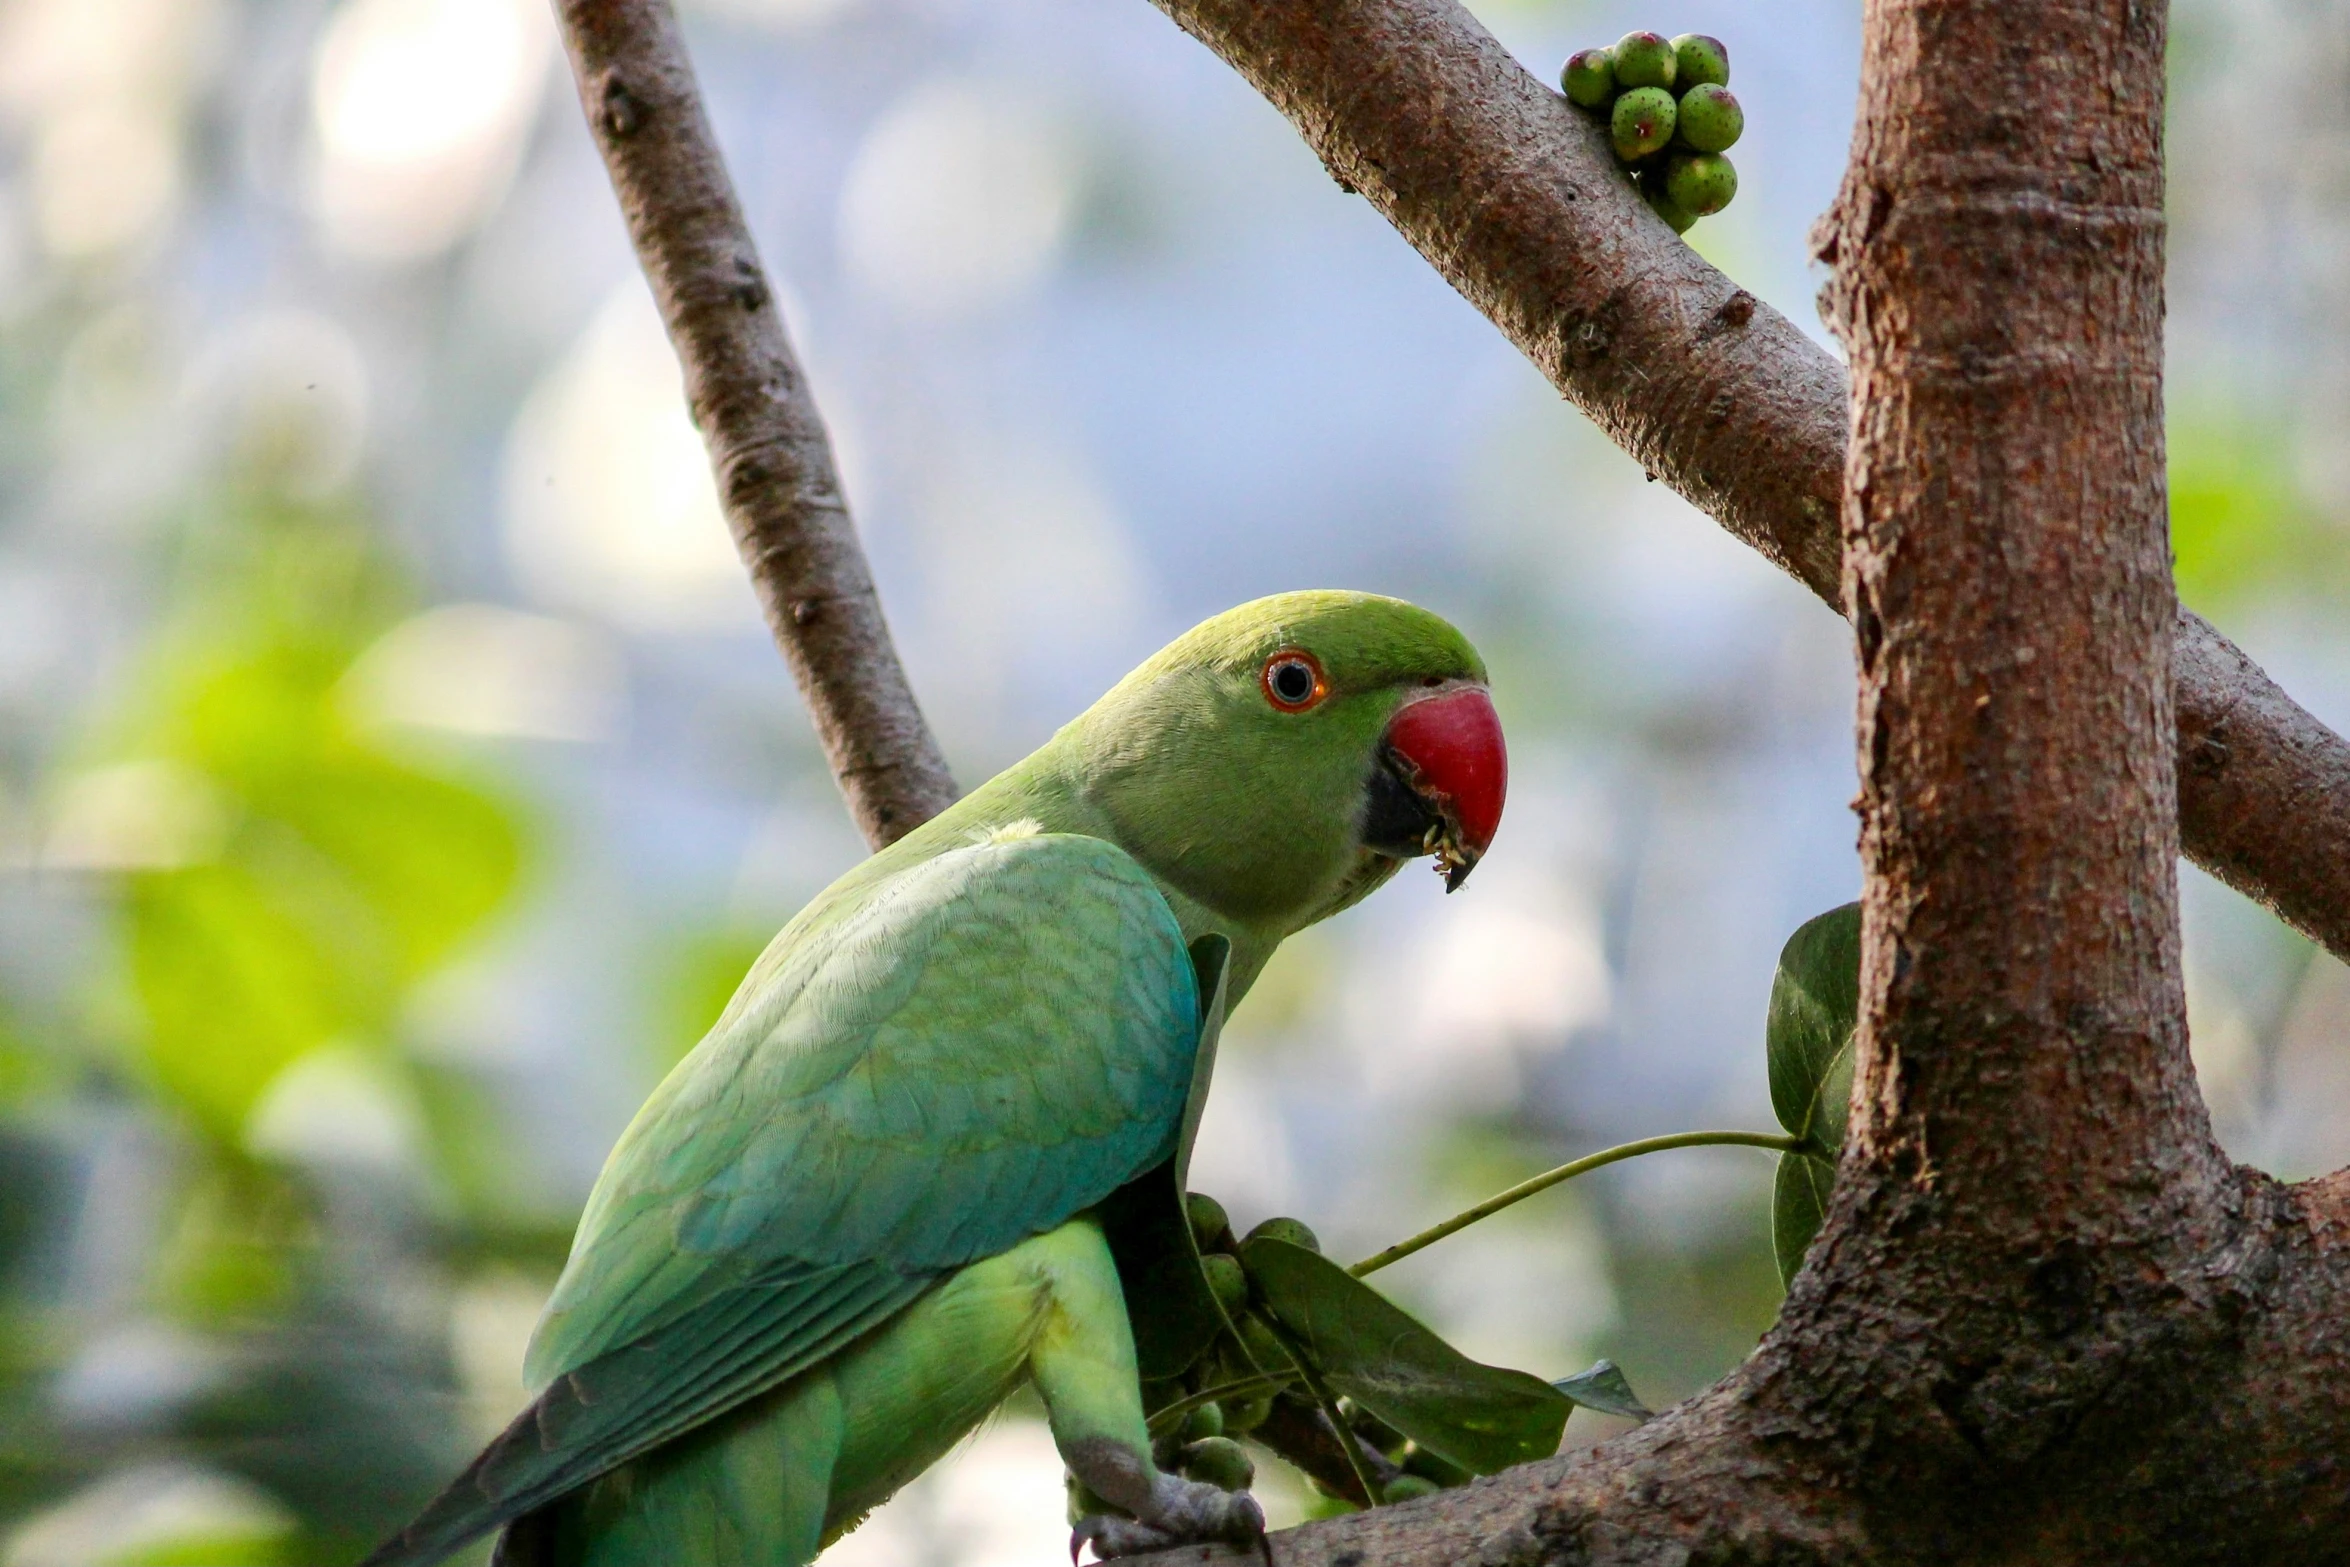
<point x="1178" y="1512"/>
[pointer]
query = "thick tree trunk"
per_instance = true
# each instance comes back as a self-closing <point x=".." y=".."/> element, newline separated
<point x="1515" y="198"/>
<point x="2046" y="1321"/>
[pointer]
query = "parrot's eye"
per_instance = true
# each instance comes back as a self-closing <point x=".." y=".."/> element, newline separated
<point x="1294" y="680"/>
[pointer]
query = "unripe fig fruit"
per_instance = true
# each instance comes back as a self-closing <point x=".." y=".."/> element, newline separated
<point x="1243" y="1415"/>
<point x="1641" y="122"/>
<point x="1404" y="1488"/>
<point x="1263" y="1345"/>
<point x="1697" y="59"/>
<point x="1700" y="182"/>
<point x="1590" y="78"/>
<point x="1221" y="1462"/>
<point x="1293" y="1231"/>
<point x="1226" y="1279"/>
<point x="1418" y="1460"/>
<point x="1644" y="60"/>
<point x="1210" y="1225"/>
<point x="1652" y="191"/>
<point x="1204" y="1422"/>
<point x="1708" y="119"/>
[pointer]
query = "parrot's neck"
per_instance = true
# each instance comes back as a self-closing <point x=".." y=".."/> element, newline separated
<point x="1041" y="790"/>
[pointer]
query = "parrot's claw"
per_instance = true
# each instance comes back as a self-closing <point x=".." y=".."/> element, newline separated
<point x="1182" y="1512"/>
<point x="1110" y="1535"/>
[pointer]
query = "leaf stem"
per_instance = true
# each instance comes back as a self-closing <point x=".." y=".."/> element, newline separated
<point x="1272" y="1382"/>
<point x="1307" y="1371"/>
<point x="1567" y="1172"/>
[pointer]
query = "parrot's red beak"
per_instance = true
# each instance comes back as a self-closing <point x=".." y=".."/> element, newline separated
<point x="1448" y="749"/>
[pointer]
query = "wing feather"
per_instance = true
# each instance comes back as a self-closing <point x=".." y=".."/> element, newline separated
<point x="922" y="1078"/>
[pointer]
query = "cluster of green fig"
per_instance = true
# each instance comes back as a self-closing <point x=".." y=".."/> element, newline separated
<point x="1417" y="1471"/>
<point x="1204" y="1446"/>
<point x="1670" y="115"/>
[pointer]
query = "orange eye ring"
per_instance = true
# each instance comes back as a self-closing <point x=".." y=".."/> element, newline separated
<point x="1293" y="680"/>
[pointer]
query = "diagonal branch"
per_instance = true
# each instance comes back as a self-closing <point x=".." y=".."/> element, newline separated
<point x="752" y="403"/>
<point x="1515" y="198"/>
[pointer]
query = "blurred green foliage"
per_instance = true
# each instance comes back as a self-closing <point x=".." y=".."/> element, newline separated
<point x="338" y="872"/>
<point x="282" y="879"/>
<point x="2241" y="530"/>
<point x="696" y="977"/>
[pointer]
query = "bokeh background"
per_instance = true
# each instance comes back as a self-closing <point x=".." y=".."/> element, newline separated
<point x="395" y="778"/>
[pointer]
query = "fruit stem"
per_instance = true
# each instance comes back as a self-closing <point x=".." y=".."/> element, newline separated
<point x="1165" y="1418"/>
<point x="1567" y="1172"/>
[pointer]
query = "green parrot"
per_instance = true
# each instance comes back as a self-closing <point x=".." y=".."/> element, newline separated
<point x="861" y="1212"/>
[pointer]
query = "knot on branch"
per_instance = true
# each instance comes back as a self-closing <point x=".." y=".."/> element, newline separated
<point x="1731" y="315"/>
<point x="1585" y="339"/>
<point x="619" y="110"/>
<point x="749" y="288"/>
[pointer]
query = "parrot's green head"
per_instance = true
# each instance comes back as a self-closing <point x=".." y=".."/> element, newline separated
<point x="1283" y="759"/>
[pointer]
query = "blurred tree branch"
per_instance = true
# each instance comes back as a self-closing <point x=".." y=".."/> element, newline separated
<point x="1515" y="198"/>
<point x="757" y="414"/>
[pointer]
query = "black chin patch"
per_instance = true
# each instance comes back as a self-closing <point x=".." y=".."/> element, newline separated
<point x="1395" y="819"/>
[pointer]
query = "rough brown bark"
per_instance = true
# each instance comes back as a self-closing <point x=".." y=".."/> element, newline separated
<point x="2046" y="1321"/>
<point x="1514" y="197"/>
<point x="752" y="403"/>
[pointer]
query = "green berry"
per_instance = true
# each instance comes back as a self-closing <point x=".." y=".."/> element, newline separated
<point x="1204" y="1422"/>
<point x="1642" y="122"/>
<point x="1209" y="1223"/>
<point x="1221" y="1462"/>
<point x="1590" y="78"/>
<point x="1293" y="1231"/>
<point x="1264" y="1346"/>
<point x="1652" y="190"/>
<point x="1644" y="60"/>
<point x="1698" y="59"/>
<point x="1708" y="120"/>
<point x="1226" y="1280"/>
<point x="1243" y="1415"/>
<point x="1429" y="1466"/>
<point x="1701" y="183"/>
<point x="1405" y="1488"/>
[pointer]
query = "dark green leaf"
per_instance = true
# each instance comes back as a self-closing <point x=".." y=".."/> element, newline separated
<point x="1211" y="965"/>
<point x="1173" y="1311"/>
<point x="1815" y="1006"/>
<point x="1799" y="1200"/>
<point x="1483" y="1418"/>
<point x="1815" y="1011"/>
<point x="1604" y="1388"/>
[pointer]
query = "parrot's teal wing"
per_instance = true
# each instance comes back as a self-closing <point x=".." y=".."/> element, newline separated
<point x="965" y="1055"/>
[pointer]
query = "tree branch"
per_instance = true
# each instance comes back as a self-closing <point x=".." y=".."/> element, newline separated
<point x="1516" y="199"/>
<point x="752" y="403"/>
<point x="2045" y="1320"/>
